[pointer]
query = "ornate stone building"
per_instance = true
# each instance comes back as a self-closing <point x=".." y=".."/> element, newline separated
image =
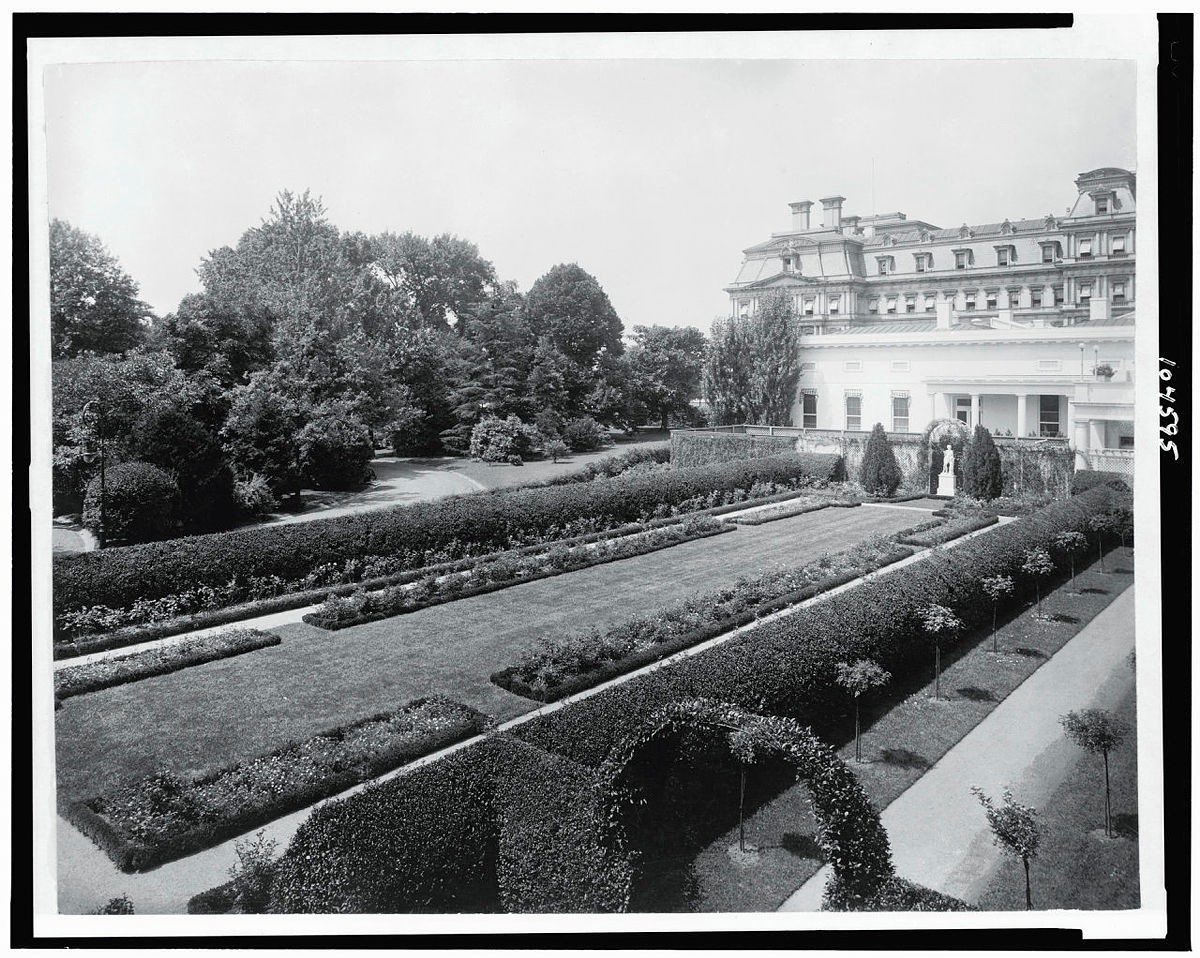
<point x="1025" y="325"/>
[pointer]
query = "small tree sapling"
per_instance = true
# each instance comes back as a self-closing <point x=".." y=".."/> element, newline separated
<point x="858" y="679"/>
<point x="741" y="743"/>
<point x="937" y="619"/>
<point x="1037" y="564"/>
<point x="1098" y="732"/>
<point x="1015" y="830"/>
<point x="1069" y="543"/>
<point x="1105" y="522"/>
<point x="996" y="586"/>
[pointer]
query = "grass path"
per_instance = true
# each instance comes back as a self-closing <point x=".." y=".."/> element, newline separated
<point x="225" y="711"/>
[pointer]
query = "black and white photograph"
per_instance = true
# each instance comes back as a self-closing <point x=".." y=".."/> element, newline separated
<point x="683" y="480"/>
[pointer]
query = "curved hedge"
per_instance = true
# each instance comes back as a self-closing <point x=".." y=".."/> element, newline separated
<point x="483" y="520"/>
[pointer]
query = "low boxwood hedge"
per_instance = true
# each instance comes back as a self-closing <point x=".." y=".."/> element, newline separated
<point x="940" y="531"/>
<point x="503" y="572"/>
<point x="787" y="511"/>
<point x="165" y="816"/>
<point x="561" y="667"/>
<point x="122" y="669"/>
<point x="471" y="524"/>
<point x="429" y="840"/>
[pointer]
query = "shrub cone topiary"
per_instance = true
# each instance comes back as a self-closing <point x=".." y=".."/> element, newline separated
<point x="982" y="476"/>
<point x="880" y="473"/>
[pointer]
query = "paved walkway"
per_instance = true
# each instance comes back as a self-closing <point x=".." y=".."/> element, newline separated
<point x="87" y="877"/>
<point x="938" y="832"/>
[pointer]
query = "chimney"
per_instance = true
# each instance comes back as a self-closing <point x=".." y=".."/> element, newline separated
<point x="851" y="223"/>
<point x="800" y="215"/>
<point x="945" y="314"/>
<point x="1098" y="308"/>
<point x="833" y="212"/>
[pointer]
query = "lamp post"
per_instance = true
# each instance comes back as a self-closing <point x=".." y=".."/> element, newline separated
<point x="1095" y="361"/>
<point x="1082" y="347"/>
<point x="99" y="434"/>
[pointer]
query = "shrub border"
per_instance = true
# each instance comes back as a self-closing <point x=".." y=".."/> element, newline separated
<point x="317" y="620"/>
<point x="156" y="664"/>
<point x="506" y="678"/>
<point x="211" y="618"/>
<point x="937" y="535"/>
<point x="133" y="855"/>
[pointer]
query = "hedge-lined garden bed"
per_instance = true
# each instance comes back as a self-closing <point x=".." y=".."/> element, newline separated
<point x="559" y="667"/>
<point x="502" y="572"/>
<point x="939" y="531"/>
<point x="96" y="592"/>
<point x="787" y="510"/>
<point x="122" y="669"/>
<point x="165" y="817"/>
<point x="691" y="449"/>
<point x="409" y="844"/>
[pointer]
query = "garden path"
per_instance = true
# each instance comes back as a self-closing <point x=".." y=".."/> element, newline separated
<point x="939" y="836"/>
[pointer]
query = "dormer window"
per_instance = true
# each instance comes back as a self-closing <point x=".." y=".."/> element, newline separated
<point x="886" y="265"/>
<point x="1085" y="249"/>
<point x="1102" y="205"/>
<point x="924" y="262"/>
<point x="962" y="258"/>
<point x="787" y="264"/>
<point x="1006" y="255"/>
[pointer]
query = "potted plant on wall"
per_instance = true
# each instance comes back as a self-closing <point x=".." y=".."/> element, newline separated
<point x="1104" y="371"/>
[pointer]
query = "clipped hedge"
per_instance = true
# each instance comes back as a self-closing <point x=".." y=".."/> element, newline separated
<point x="691" y="449"/>
<point x="1086" y="479"/>
<point x="788" y="666"/>
<point x="474" y="523"/>
<point x="897" y="894"/>
<point x="501" y="573"/>
<point x="430" y="839"/>
<point x="945" y="530"/>
<point x="497" y="824"/>
<point x="122" y="669"/>
<point x="789" y="510"/>
<point x="164" y="817"/>
<point x="561" y="667"/>
<point x="656" y="453"/>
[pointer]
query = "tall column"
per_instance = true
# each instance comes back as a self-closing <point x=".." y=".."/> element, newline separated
<point x="939" y="406"/>
<point x="1022" y="415"/>
<point x="974" y="410"/>
<point x="1081" y="443"/>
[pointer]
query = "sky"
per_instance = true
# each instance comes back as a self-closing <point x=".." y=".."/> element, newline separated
<point x="653" y="175"/>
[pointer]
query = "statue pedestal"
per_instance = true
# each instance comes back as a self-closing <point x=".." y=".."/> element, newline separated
<point x="946" y="484"/>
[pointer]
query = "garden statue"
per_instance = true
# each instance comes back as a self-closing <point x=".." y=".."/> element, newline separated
<point x="947" y="485"/>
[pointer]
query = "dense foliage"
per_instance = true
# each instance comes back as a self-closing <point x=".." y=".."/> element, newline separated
<point x="349" y="548"/>
<point x="981" y="470"/>
<point x="752" y="367"/>
<point x="165" y="816"/>
<point x="133" y="501"/>
<point x="121" y="669"/>
<point x="880" y="474"/>
<point x="689" y="449"/>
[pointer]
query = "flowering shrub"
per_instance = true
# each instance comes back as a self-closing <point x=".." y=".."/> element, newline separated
<point x="122" y="669"/>
<point x="561" y="666"/>
<point x="165" y="816"/>
<point x="499" y="440"/>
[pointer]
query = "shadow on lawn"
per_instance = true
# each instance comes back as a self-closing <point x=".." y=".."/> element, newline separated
<point x="1029" y="653"/>
<point x="976" y="694"/>
<point x="802" y="846"/>
<point x="903" y="758"/>
<point x="1125" y="824"/>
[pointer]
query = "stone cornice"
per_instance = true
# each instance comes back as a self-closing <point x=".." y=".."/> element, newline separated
<point x="971" y="337"/>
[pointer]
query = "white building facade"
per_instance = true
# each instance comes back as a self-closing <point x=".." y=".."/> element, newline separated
<point x="1026" y="326"/>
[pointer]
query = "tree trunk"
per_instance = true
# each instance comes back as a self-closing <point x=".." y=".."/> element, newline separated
<point x="937" y="671"/>
<point x="1028" y="894"/>
<point x="664" y="419"/>
<point x="994" y="604"/>
<point x="1072" y="572"/>
<point x="1107" y="801"/>
<point x="1100" y="549"/>
<point x="741" y="812"/>
<point x="857" y="745"/>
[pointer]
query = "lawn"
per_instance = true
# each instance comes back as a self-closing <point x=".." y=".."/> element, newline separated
<point x="903" y="735"/>
<point x="225" y="711"/>
<point x="1076" y="865"/>
<point x="499" y="475"/>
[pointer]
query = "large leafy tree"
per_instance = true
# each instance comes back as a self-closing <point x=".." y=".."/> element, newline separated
<point x="569" y="305"/>
<point x="94" y="305"/>
<point x="752" y="366"/>
<point x="666" y="364"/>
<point x="262" y="432"/>
<point x="439" y="281"/>
<point x="219" y="337"/>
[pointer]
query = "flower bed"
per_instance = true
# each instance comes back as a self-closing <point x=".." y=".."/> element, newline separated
<point x="68" y="646"/>
<point x="787" y="510"/>
<point x="560" y="667"/>
<point x="97" y="592"/>
<point x="938" y="531"/>
<point x="338" y="549"/>
<point x="120" y="670"/>
<point x="502" y="572"/>
<point x="414" y="842"/>
<point x="165" y="817"/>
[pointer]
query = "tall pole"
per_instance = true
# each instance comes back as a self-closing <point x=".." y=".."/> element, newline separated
<point x="103" y="528"/>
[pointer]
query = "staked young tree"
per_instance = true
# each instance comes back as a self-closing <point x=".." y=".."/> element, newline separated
<point x="94" y="305"/>
<point x="1037" y="565"/>
<point x="938" y="621"/>
<point x="1099" y="732"/>
<point x="1015" y="830"/>
<point x="857" y="679"/>
<point x="1070" y="543"/>
<point x="995" y="587"/>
